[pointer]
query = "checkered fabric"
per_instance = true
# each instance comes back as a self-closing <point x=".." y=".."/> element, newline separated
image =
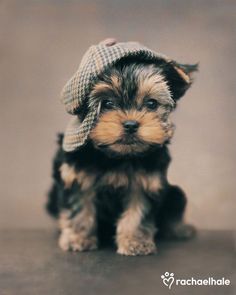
<point x="75" y="93"/>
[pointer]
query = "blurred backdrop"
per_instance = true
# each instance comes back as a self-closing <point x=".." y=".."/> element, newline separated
<point x="41" y="45"/>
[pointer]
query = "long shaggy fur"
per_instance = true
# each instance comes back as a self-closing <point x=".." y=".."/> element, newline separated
<point x="115" y="187"/>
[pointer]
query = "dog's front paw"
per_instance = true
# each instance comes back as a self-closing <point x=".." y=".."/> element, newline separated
<point x="131" y="246"/>
<point x="76" y="242"/>
<point x="80" y="243"/>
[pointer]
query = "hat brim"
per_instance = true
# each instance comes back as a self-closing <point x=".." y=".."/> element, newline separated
<point x="77" y="133"/>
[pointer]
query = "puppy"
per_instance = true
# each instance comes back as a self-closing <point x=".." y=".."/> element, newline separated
<point x="114" y="186"/>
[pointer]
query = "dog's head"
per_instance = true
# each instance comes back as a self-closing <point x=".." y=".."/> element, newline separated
<point x="135" y="102"/>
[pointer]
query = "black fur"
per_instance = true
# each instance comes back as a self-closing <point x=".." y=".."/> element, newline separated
<point x="167" y="208"/>
<point x="167" y="204"/>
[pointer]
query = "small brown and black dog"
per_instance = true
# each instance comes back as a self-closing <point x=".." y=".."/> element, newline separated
<point x="116" y="185"/>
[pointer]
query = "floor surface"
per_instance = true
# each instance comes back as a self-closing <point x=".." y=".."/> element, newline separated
<point x="32" y="264"/>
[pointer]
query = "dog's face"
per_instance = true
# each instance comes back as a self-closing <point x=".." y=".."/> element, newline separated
<point x="135" y="102"/>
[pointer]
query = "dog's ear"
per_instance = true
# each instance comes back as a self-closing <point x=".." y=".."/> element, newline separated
<point x="179" y="77"/>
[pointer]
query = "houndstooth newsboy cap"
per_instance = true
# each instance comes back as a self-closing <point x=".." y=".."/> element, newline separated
<point x="76" y="91"/>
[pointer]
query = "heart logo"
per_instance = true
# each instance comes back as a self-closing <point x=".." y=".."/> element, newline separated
<point x="168" y="279"/>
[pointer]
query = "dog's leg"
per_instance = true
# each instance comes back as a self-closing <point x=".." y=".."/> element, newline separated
<point x="78" y="225"/>
<point x="79" y="233"/>
<point x="135" y="229"/>
<point x="171" y="215"/>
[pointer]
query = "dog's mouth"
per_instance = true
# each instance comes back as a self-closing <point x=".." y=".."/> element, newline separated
<point x="127" y="145"/>
<point x="124" y="140"/>
<point x="128" y="140"/>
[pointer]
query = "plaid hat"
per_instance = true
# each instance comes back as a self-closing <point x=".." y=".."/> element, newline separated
<point x="75" y="93"/>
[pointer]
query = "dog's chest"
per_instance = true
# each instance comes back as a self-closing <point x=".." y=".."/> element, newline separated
<point x="125" y="177"/>
<point x="130" y="178"/>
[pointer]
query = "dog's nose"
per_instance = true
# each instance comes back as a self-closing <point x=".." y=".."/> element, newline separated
<point x="131" y="126"/>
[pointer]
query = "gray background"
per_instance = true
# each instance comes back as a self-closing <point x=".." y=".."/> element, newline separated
<point x="41" y="44"/>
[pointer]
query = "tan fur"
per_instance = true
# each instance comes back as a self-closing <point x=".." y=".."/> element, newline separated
<point x="134" y="237"/>
<point x="110" y="129"/>
<point x="132" y="217"/>
<point x="85" y="179"/>
<point x="101" y="87"/>
<point x="182" y="74"/>
<point x="136" y="245"/>
<point x="85" y="220"/>
<point x="70" y="240"/>
<point x="115" y="84"/>
<point x="68" y="174"/>
<point x="135" y="229"/>
<point x="115" y="179"/>
<point x="151" y="129"/>
<point x="149" y="183"/>
<point x="64" y="220"/>
<point x="152" y="86"/>
<point x="79" y="233"/>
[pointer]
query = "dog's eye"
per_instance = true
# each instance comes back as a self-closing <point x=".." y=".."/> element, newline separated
<point x="151" y="104"/>
<point x="107" y="104"/>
